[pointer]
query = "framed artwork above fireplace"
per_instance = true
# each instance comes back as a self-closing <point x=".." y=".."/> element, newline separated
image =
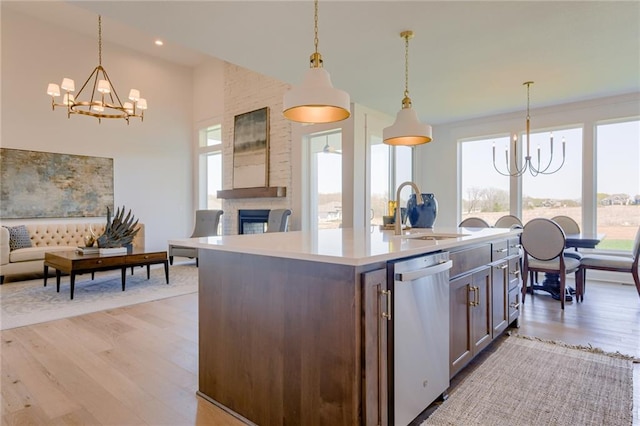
<point x="251" y="149"/>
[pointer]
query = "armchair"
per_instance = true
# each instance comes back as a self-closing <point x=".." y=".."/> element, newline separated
<point x="206" y="225"/>
<point x="278" y="220"/>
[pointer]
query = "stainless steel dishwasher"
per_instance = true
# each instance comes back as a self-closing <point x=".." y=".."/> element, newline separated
<point x="419" y="356"/>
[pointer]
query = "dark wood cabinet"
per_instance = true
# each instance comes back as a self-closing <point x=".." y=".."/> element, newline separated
<point x="376" y="315"/>
<point x="499" y="296"/>
<point x="469" y="317"/>
<point x="483" y="301"/>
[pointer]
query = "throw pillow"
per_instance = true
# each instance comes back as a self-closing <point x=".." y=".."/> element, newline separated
<point x="18" y="237"/>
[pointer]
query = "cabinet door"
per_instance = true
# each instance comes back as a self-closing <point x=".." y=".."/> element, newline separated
<point x="514" y="272"/>
<point x="374" y="333"/>
<point x="499" y="296"/>
<point x="461" y="297"/>
<point x="481" y="311"/>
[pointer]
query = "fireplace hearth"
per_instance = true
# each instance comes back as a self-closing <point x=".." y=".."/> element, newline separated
<point x="253" y="221"/>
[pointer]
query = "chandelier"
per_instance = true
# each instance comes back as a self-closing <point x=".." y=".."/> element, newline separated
<point x="104" y="101"/>
<point x="316" y="100"/>
<point x="406" y="130"/>
<point x="538" y="168"/>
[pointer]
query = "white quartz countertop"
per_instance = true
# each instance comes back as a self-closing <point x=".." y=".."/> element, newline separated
<point x="347" y="246"/>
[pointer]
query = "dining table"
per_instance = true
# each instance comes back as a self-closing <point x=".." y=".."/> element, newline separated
<point x="551" y="282"/>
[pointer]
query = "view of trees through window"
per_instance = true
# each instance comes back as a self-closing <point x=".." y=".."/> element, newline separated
<point x="485" y="193"/>
<point x="326" y="179"/>
<point x="618" y="183"/>
<point x="390" y="166"/>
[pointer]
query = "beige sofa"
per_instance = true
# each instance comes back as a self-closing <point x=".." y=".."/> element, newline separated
<point x="47" y="238"/>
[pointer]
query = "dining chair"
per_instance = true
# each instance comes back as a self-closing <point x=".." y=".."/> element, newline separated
<point x="613" y="263"/>
<point x="206" y="225"/>
<point x="508" y="221"/>
<point x="568" y="224"/>
<point x="543" y="242"/>
<point x="474" y="222"/>
<point x="278" y="220"/>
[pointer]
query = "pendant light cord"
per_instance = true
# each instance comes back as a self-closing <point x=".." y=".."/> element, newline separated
<point x="406" y="66"/>
<point x="99" y="40"/>
<point x="315" y="25"/>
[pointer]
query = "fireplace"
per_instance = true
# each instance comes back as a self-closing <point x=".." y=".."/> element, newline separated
<point x="252" y="221"/>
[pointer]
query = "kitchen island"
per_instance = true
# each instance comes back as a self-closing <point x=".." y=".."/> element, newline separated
<point x="296" y="328"/>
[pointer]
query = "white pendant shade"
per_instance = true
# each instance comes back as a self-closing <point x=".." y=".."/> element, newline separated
<point x="316" y="100"/>
<point x="53" y="90"/>
<point x="103" y="86"/>
<point x="68" y="84"/>
<point x="407" y="130"/>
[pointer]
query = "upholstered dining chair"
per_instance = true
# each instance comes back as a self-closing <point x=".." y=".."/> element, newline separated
<point x="206" y="225"/>
<point x="568" y="224"/>
<point x="605" y="262"/>
<point x="543" y="242"/>
<point x="474" y="222"/>
<point x="278" y="220"/>
<point x="508" y="221"/>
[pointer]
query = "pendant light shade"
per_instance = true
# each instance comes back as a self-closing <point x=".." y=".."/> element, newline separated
<point x="316" y="100"/>
<point x="407" y="130"/>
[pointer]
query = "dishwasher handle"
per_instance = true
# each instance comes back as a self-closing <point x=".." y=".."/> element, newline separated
<point x="424" y="272"/>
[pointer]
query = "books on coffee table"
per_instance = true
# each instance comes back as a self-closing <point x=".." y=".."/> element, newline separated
<point x="88" y="250"/>
<point x="113" y="250"/>
<point x="102" y="251"/>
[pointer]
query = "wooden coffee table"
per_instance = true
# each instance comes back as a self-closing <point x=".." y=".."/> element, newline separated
<point x="73" y="263"/>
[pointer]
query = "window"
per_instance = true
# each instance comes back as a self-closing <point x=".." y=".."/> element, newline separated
<point x="210" y="167"/>
<point x="559" y="193"/>
<point x="618" y="183"/>
<point x="390" y="166"/>
<point x="325" y="179"/>
<point x="484" y="192"/>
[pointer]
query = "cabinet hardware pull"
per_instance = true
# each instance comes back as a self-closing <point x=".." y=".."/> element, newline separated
<point x="504" y="250"/>
<point x="516" y="272"/>
<point x="515" y="305"/>
<point x="99" y="262"/>
<point x="387" y="314"/>
<point x="476" y="296"/>
<point x="502" y="267"/>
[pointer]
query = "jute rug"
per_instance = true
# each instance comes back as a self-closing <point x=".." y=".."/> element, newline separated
<point x="29" y="302"/>
<point x="530" y="382"/>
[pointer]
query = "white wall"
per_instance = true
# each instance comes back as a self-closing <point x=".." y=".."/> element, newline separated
<point x="437" y="163"/>
<point x="152" y="160"/>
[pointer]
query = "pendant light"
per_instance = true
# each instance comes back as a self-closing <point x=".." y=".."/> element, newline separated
<point x="316" y="100"/>
<point x="406" y="130"/>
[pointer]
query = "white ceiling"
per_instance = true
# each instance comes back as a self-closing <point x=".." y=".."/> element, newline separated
<point x="467" y="59"/>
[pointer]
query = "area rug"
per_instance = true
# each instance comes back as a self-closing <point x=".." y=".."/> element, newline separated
<point x="29" y="302"/>
<point x="530" y="382"/>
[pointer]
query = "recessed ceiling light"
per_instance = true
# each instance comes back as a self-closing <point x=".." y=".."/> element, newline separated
<point x="159" y="42"/>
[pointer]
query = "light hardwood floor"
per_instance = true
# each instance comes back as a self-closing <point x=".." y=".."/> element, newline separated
<point x="138" y="365"/>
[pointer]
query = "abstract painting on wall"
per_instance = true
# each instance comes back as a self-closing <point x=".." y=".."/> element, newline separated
<point x="37" y="184"/>
<point x="251" y="149"/>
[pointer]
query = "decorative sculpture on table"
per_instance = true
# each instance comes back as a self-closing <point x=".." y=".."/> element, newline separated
<point x="119" y="232"/>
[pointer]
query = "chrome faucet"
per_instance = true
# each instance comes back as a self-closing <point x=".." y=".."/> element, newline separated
<point x="419" y="200"/>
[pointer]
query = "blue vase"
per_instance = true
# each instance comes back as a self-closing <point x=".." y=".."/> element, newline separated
<point x="422" y="215"/>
